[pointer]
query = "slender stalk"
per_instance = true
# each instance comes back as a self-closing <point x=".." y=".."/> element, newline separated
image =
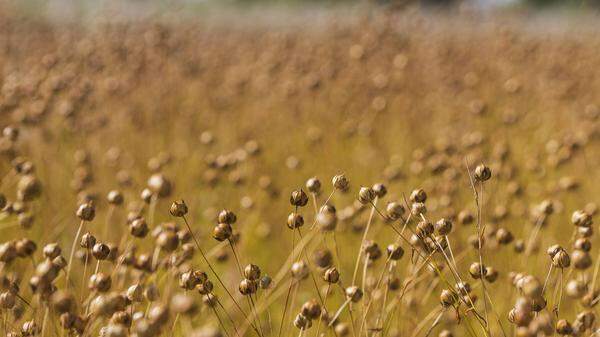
<point x="73" y="246"/>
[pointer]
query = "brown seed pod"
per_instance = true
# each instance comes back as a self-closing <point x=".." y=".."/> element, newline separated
<point x="100" y="282"/>
<point x="380" y="190"/>
<point x="178" y="208"/>
<point x="418" y="195"/>
<point x="443" y="227"/>
<point x="491" y="274"/>
<point x="227" y="216"/>
<point x="561" y="259"/>
<point x="313" y="185"/>
<point x="299" y="270"/>
<point x="331" y="275"/>
<point x="25" y="247"/>
<point x="222" y="232"/>
<point x="581" y="259"/>
<point x="581" y="219"/>
<point x="62" y="301"/>
<point x="115" y="198"/>
<point x="366" y="195"/>
<point x="395" y="211"/>
<point x="86" y="211"/>
<point x="504" y="236"/>
<point x="247" y="287"/>
<point x="138" y="228"/>
<point x="341" y="183"/>
<point x="424" y="229"/>
<point x="167" y="240"/>
<point x="583" y="244"/>
<point x="205" y="287"/>
<point x="477" y="270"/>
<point x="482" y="173"/>
<point x="159" y="185"/>
<point x="87" y="241"/>
<point x="418" y="208"/>
<point x="301" y="322"/>
<point x="252" y="272"/>
<point x="563" y="327"/>
<point x="354" y="293"/>
<point x="298" y="198"/>
<point x="295" y="220"/>
<point x="322" y="258"/>
<point x="448" y="298"/>
<point x="395" y="252"/>
<point x="101" y="251"/>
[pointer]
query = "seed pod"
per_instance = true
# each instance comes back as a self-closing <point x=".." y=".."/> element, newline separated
<point x="30" y="328"/>
<point x="366" y="195"/>
<point x="531" y="287"/>
<point x="7" y="300"/>
<point x="25" y="247"/>
<point x="87" y="241"/>
<point x="159" y="185"/>
<point x="443" y="227"/>
<point x="135" y="293"/>
<point x="227" y="216"/>
<point x="158" y="315"/>
<point x="252" y="272"/>
<point x="146" y="195"/>
<point x="581" y="219"/>
<point x="28" y="188"/>
<point x="418" y="195"/>
<point x="313" y="185"/>
<point x="503" y="236"/>
<point x="151" y="293"/>
<point x="326" y="221"/>
<point x="205" y="287"/>
<point x="222" y="232"/>
<point x="341" y="183"/>
<point x="100" y="251"/>
<point x="299" y="270"/>
<point x="138" y="228"/>
<point x="448" y="298"/>
<point x="563" y="327"/>
<point x="62" y="301"/>
<point x="354" y="293"/>
<point x="583" y="244"/>
<point x="122" y="319"/>
<point x="342" y="329"/>
<point x="576" y="289"/>
<point x="482" y="173"/>
<point x="418" y="208"/>
<point x="298" y="198"/>
<point x="331" y="275"/>
<point x="581" y="259"/>
<point x="491" y="274"/>
<point x="247" y="287"/>
<point x="311" y="309"/>
<point x="322" y="258"/>
<point x="380" y="190"/>
<point x="295" y="220"/>
<point x="424" y="229"/>
<point x="115" y="198"/>
<point x="477" y="270"/>
<point x="265" y="282"/>
<point x="178" y="208"/>
<point x="395" y="211"/>
<point x="395" y="252"/>
<point x="100" y="282"/>
<point x="86" y="211"/>
<point x="167" y="240"/>
<point x="561" y="259"/>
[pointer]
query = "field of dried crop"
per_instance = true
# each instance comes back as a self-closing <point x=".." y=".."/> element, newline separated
<point x="411" y="174"/>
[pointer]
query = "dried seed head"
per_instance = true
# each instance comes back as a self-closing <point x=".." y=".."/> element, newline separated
<point x="101" y="251"/>
<point x="424" y="229"/>
<point x="86" y="211"/>
<point x="531" y="287"/>
<point x="30" y="328"/>
<point x="311" y="309"/>
<point x="491" y="274"/>
<point x="115" y="197"/>
<point x="121" y="319"/>
<point x="322" y="258"/>
<point x="448" y="298"/>
<point x="159" y="185"/>
<point x="205" y="287"/>
<point x="366" y="195"/>
<point x="372" y="249"/>
<point x="87" y="241"/>
<point x="443" y="227"/>
<point x="341" y="183"/>
<point x="583" y="244"/>
<point x="299" y="270"/>
<point x="167" y="240"/>
<point x="7" y="300"/>
<point x="151" y="293"/>
<point x="138" y="228"/>
<point x="25" y="247"/>
<point x="504" y="236"/>
<point x="561" y="259"/>
<point x="100" y="282"/>
<point x="252" y="272"/>
<point x="295" y="220"/>
<point x="581" y="259"/>
<point x="395" y="252"/>
<point x="222" y="231"/>
<point x="62" y="301"/>
<point x="477" y="270"/>
<point x="178" y="208"/>
<point x="227" y="216"/>
<point x="265" y="282"/>
<point x="135" y="293"/>
<point x="482" y="173"/>
<point x="342" y="329"/>
<point x="158" y="315"/>
<point x="326" y="220"/>
<point x="313" y="185"/>
<point x="146" y="195"/>
<point x="582" y="219"/>
<point x="380" y="190"/>
<point x="563" y="327"/>
<point x="395" y="210"/>
<point x="28" y="188"/>
<point x="331" y="275"/>
<point x="354" y="293"/>
<point x="418" y="208"/>
<point x="576" y="288"/>
<point x="418" y="195"/>
<point x="247" y="287"/>
<point x="298" y="198"/>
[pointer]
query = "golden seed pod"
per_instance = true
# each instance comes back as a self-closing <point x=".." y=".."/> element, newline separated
<point x="448" y="298"/>
<point x="247" y="287"/>
<point x="122" y="319"/>
<point x="101" y="251"/>
<point x="135" y="293"/>
<point x="159" y="185"/>
<point x="354" y="293"/>
<point x="443" y="227"/>
<point x="295" y="220"/>
<point x="372" y="249"/>
<point x="331" y="275"/>
<point x="341" y="183"/>
<point x="581" y="259"/>
<point x="167" y="240"/>
<point x="561" y="259"/>
<point x="227" y="216"/>
<point x="205" y="287"/>
<point x="582" y="219"/>
<point x="583" y="244"/>
<point x="418" y="195"/>
<point x="530" y="287"/>
<point x="313" y="185"/>
<point x="342" y="329"/>
<point x="25" y="247"/>
<point x="28" y="188"/>
<point x="252" y="272"/>
<point x="366" y="195"/>
<point x="395" y="210"/>
<point x="491" y="274"/>
<point x="298" y="198"/>
<point x="100" y="282"/>
<point x="87" y="241"/>
<point x="301" y="322"/>
<point x="178" y="208"/>
<point x="322" y="258"/>
<point x="418" y="208"/>
<point x="138" y="228"/>
<point x="115" y="197"/>
<point x="86" y="211"/>
<point x="424" y="229"/>
<point x="504" y="236"/>
<point x="563" y="327"/>
<point x="482" y="173"/>
<point x="7" y="300"/>
<point x="222" y="232"/>
<point x="311" y="309"/>
<point x="395" y="252"/>
<point x="326" y="220"/>
<point x="151" y="292"/>
<point x="576" y="288"/>
<point x="380" y="190"/>
<point x="477" y="270"/>
<point x="299" y="270"/>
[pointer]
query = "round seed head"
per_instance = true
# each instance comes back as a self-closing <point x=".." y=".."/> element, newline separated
<point x="101" y="251"/>
<point x="247" y="287"/>
<point x="380" y="190"/>
<point x="167" y="240"/>
<point x="341" y="183"/>
<point x="100" y="282"/>
<point x="313" y="185"/>
<point x="561" y="259"/>
<point x="331" y="275"/>
<point x="583" y="244"/>
<point x="138" y="228"/>
<point x="395" y="210"/>
<point x="482" y="173"/>
<point x="582" y="219"/>
<point x="87" y="241"/>
<point x="178" y="208"/>
<point x="477" y="270"/>
<point x="265" y="282"/>
<point x="418" y="195"/>
<point x="115" y="197"/>
<point x="222" y="231"/>
<point x="395" y="252"/>
<point x="504" y="236"/>
<point x="298" y="198"/>
<point x="295" y="220"/>
<point x="424" y="229"/>
<point x="311" y="309"/>
<point x="25" y="247"/>
<point x="159" y="185"/>
<point x="366" y="195"/>
<point x="563" y="327"/>
<point x="252" y="272"/>
<point x="205" y="287"/>
<point x="299" y="270"/>
<point x="301" y="322"/>
<point x="227" y="216"/>
<point x="448" y="298"/>
<point x="581" y="259"/>
<point x="354" y="293"/>
<point x="86" y="211"/>
<point x="418" y="208"/>
<point x="326" y="221"/>
<point x="322" y="258"/>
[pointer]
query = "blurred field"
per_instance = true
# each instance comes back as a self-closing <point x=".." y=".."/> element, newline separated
<point x="238" y="111"/>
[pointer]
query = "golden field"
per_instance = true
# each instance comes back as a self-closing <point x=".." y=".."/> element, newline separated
<point x="470" y="144"/>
